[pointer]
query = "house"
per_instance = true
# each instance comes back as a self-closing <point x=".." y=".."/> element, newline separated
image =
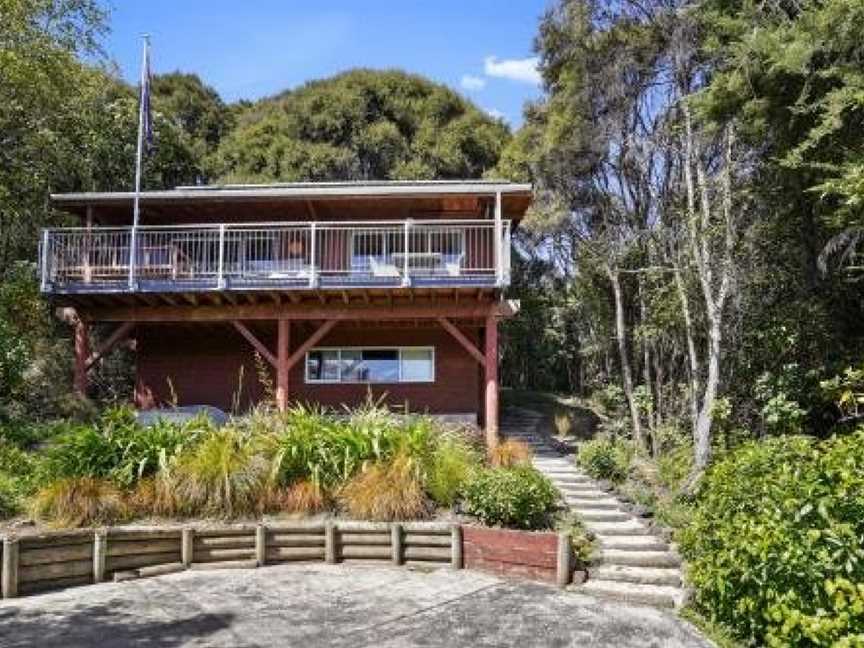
<point x="337" y="289"/>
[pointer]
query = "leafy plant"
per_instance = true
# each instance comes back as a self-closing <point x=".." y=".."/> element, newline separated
<point x="775" y="544"/>
<point x="387" y="490"/>
<point x="301" y="497"/>
<point x="519" y="497"/>
<point x="605" y="458"/>
<point x="80" y="501"/>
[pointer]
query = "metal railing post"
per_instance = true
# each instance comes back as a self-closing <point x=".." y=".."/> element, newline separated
<point x="43" y="259"/>
<point x="313" y="269"/>
<point x="132" y="255"/>
<point x="406" y="279"/>
<point x="497" y="237"/>
<point x="220" y="276"/>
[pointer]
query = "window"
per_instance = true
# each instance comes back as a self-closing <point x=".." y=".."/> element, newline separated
<point x="371" y="365"/>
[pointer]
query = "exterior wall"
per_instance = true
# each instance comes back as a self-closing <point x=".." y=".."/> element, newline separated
<point x="204" y="363"/>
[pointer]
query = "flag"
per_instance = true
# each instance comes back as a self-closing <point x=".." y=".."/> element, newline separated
<point x="145" y="112"/>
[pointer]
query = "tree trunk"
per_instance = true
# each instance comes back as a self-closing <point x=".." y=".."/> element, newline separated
<point x="626" y="373"/>
<point x="702" y="449"/>
<point x="691" y="353"/>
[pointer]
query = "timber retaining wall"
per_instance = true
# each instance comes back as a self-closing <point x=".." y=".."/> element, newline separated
<point x="35" y="563"/>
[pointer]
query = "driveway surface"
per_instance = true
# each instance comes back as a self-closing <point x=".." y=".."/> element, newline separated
<point x="313" y="606"/>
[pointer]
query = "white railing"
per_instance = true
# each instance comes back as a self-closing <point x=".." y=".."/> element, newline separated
<point x="274" y="255"/>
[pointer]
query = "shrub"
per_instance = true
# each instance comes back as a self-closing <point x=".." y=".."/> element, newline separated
<point x="605" y="458"/>
<point x="226" y="474"/>
<point x="518" y="497"/>
<point x="387" y="490"/>
<point x="11" y="500"/>
<point x="510" y="453"/>
<point x="775" y="545"/>
<point x="452" y="463"/>
<point x="80" y="501"/>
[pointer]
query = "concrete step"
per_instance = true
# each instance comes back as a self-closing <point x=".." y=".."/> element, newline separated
<point x="582" y="493"/>
<point x="640" y="575"/>
<point x="628" y="527"/>
<point x="607" y="504"/>
<point x="636" y="558"/>
<point x="654" y="595"/>
<point x="601" y="516"/>
<point x="644" y="542"/>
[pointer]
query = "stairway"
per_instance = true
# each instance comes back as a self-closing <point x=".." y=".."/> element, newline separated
<point x="632" y="565"/>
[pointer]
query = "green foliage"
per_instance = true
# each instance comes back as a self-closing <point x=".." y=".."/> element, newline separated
<point x="846" y="391"/>
<point x="452" y="464"/>
<point x="518" y="498"/>
<point x="362" y="124"/>
<point x="775" y="546"/>
<point x="605" y="458"/>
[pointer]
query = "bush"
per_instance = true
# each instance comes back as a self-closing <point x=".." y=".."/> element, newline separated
<point x="510" y="453"/>
<point x="519" y="498"/>
<point x="11" y="500"/>
<point x="227" y="474"/>
<point x="452" y="464"/>
<point x="80" y="501"/>
<point x="387" y="490"/>
<point x="605" y="458"/>
<point x="775" y="545"/>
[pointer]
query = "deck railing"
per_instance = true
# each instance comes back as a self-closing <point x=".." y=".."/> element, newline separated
<point x="276" y="255"/>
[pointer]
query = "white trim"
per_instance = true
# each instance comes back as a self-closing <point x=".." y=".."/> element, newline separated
<point x="339" y="381"/>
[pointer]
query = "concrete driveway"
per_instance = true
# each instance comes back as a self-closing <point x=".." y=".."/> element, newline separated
<point x="312" y="606"/>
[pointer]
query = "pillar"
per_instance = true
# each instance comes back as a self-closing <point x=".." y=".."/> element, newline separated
<point x="283" y="344"/>
<point x="82" y="354"/>
<point x="491" y="379"/>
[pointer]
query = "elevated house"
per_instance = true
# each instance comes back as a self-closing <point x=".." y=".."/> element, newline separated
<point x="339" y="288"/>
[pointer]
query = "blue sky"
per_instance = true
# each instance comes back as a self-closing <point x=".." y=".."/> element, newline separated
<point x="482" y="48"/>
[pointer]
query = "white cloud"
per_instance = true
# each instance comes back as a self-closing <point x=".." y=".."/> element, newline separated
<point x="523" y="70"/>
<point x="495" y="114"/>
<point x="471" y="82"/>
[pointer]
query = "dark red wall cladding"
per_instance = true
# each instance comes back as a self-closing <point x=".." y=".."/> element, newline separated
<point x="202" y="364"/>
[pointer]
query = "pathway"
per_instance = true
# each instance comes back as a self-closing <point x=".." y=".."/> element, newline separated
<point x="632" y="564"/>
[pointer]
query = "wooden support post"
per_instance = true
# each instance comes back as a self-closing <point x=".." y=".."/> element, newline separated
<point x="117" y="336"/>
<point x="82" y="354"/>
<point x="456" y="560"/>
<point x="100" y="550"/>
<point x="461" y="339"/>
<point x="261" y="544"/>
<point x="187" y="544"/>
<point x="314" y="339"/>
<point x="396" y="544"/>
<point x="564" y="567"/>
<point x="9" y="568"/>
<point x="491" y="382"/>
<point x="330" y="543"/>
<point x="283" y="348"/>
<point x="255" y="342"/>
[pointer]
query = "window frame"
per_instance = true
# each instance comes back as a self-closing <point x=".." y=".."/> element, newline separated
<point x="323" y="381"/>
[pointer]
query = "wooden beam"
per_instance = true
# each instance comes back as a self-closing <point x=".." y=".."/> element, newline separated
<point x="283" y="347"/>
<point x="206" y="313"/>
<point x="491" y="375"/>
<point x="82" y="352"/>
<point x="461" y="339"/>
<point x="345" y="297"/>
<point x="115" y="338"/>
<point x="313" y="339"/>
<point x="255" y="342"/>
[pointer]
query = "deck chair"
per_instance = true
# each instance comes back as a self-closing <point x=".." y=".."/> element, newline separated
<point x="383" y="269"/>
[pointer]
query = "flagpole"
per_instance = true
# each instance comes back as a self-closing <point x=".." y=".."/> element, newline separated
<point x="138" y="154"/>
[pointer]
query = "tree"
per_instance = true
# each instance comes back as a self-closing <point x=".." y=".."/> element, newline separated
<point x="362" y="124"/>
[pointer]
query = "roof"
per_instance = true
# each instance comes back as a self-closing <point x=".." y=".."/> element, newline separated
<point x="303" y="190"/>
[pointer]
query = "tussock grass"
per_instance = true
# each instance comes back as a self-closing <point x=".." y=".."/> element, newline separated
<point x="80" y="501"/>
<point x="510" y="453"/>
<point x="386" y="491"/>
<point x="301" y="497"/>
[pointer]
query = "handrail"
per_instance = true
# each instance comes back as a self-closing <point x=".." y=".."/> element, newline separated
<point x="272" y="255"/>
